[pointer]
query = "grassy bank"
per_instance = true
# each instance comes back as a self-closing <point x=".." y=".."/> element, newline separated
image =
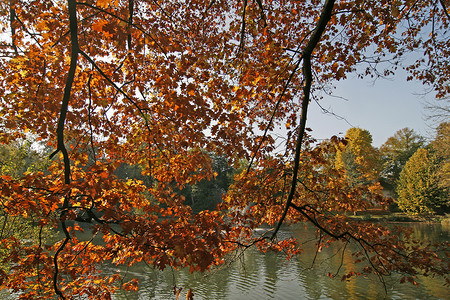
<point x="387" y="216"/>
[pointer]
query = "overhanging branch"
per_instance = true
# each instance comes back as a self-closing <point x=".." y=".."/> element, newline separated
<point x="325" y="16"/>
<point x="60" y="133"/>
<point x="444" y="7"/>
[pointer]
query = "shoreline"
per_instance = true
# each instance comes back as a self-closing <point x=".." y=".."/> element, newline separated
<point x="399" y="217"/>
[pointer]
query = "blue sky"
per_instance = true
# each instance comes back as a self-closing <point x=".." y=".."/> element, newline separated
<point x="382" y="107"/>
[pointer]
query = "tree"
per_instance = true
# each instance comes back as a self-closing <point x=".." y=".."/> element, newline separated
<point x="15" y="160"/>
<point x="19" y="157"/>
<point x="441" y="149"/>
<point x="155" y="84"/>
<point x="206" y="194"/>
<point x="395" y="153"/>
<point x="358" y="158"/>
<point x="418" y="187"/>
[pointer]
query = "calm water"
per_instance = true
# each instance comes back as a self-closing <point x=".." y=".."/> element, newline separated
<point x="259" y="276"/>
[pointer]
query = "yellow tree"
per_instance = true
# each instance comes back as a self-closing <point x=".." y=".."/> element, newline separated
<point x="441" y="148"/>
<point x="418" y="188"/>
<point x="160" y="84"/>
<point x="358" y="158"/>
<point x="423" y="185"/>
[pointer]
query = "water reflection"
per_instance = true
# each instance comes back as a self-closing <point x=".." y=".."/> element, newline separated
<point x="261" y="276"/>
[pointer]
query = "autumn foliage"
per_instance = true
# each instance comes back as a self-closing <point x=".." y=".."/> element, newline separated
<point x="161" y="84"/>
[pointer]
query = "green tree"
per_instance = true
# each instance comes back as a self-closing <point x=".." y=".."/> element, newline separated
<point x="418" y="187"/>
<point x="441" y="148"/>
<point x="395" y="152"/>
<point x="207" y="193"/>
<point x="358" y="158"/>
<point x="16" y="159"/>
<point x="20" y="157"/>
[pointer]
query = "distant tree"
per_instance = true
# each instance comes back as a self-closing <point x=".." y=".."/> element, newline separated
<point x="130" y="171"/>
<point x="207" y="193"/>
<point x="418" y="187"/>
<point x="395" y="152"/>
<point x="17" y="159"/>
<point x="358" y="158"/>
<point x="441" y="147"/>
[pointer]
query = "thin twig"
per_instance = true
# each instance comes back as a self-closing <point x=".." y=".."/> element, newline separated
<point x="89" y="118"/>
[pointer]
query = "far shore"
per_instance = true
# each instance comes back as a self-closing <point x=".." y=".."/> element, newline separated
<point x="394" y="217"/>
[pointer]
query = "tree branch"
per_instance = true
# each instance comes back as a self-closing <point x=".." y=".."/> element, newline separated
<point x="12" y="16"/>
<point x="60" y="133"/>
<point x="325" y="16"/>
<point x="445" y="8"/>
<point x="130" y="22"/>
<point x="89" y="118"/>
<point x="273" y="113"/>
<point x="121" y="91"/>
<point x="263" y="16"/>
<point x="242" y="42"/>
<point x="283" y="92"/>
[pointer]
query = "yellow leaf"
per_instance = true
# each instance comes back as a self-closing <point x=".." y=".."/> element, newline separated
<point x="98" y="25"/>
<point x="103" y="3"/>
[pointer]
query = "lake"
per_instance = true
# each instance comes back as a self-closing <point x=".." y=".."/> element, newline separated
<point x="252" y="275"/>
<point x="257" y="276"/>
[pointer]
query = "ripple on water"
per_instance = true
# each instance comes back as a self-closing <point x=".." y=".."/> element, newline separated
<point x="261" y="276"/>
